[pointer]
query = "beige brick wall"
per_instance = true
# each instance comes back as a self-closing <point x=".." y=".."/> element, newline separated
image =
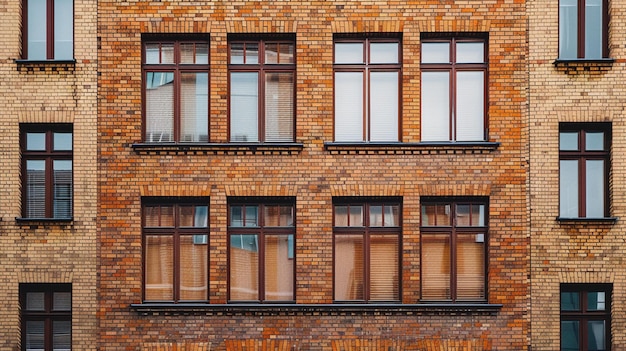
<point x="48" y="252"/>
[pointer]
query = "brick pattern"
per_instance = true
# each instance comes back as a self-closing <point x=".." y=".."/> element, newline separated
<point x="313" y="175"/>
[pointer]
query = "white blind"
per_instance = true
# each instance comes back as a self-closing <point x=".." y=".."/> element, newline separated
<point x="194" y="107"/>
<point x="384" y="101"/>
<point x="594" y="188"/>
<point x="279" y="107"/>
<point x="384" y="263"/>
<point x="349" y="106"/>
<point x="62" y="188"/>
<point x="35" y="189"/>
<point x="470" y="97"/>
<point x="159" y="106"/>
<point x="244" y="106"/>
<point x="435" y="106"/>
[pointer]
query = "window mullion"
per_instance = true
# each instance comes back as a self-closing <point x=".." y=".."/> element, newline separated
<point x="261" y="99"/>
<point x="50" y="29"/>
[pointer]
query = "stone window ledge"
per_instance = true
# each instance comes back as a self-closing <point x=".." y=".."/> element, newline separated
<point x="481" y="147"/>
<point x="601" y="220"/>
<point x="218" y="148"/>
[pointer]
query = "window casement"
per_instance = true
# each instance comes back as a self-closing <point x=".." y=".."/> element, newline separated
<point x="46" y="316"/>
<point x="367" y="83"/>
<point x="47" y="184"/>
<point x="586" y="317"/>
<point x="261" y="246"/>
<point x="176" y="90"/>
<point x="584" y="162"/>
<point x="48" y="30"/>
<point x="261" y="84"/>
<point x="583" y="29"/>
<point x="367" y="242"/>
<point x="176" y="249"/>
<point x="453" y="250"/>
<point x="454" y="89"/>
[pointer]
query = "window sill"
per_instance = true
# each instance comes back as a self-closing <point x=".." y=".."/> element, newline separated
<point x="45" y="65"/>
<point x="478" y="147"/>
<point x="329" y="309"/>
<point x="606" y="220"/>
<point x="218" y="148"/>
<point x="578" y="66"/>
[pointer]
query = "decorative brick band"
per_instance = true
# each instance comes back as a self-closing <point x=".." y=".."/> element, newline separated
<point x="175" y="190"/>
<point x="374" y="26"/>
<point x="40" y="276"/>
<point x="175" y="27"/>
<point x="246" y="26"/>
<point x="366" y="190"/>
<point x="46" y="117"/>
<point x="453" y="25"/>
<point x="599" y="276"/>
<point x="260" y="190"/>
<point x="455" y="190"/>
<point x="169" y="346"/>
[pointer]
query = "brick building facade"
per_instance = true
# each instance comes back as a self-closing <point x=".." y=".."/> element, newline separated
<point x="48" y="212"/>
<point x="576" y="174"/>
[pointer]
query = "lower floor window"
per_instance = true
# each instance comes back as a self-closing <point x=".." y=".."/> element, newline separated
<point x="46" y="317"/>
<point x="586" y="317"/>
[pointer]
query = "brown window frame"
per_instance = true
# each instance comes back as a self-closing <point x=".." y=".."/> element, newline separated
<point x="367" y="67"/>
<point x="49" y="155"/>
<point x="261" y="230"/>
<point x="581" y="29"/>
<point x="48" y="315"/>
<point x="175" y="231"/>
<point x="581" y="155"/>
<point x="50" y="38"/>
<point x="261" y="67"/>
<point x="584" y="314"/>
<point x="453" y="230"/>
<point x="452" y="67"/>
<point x="367" y="231"/>
<point x="177" y="68"/>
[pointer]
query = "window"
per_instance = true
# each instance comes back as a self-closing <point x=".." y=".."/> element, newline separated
<point x="46" y="316"/>
<point x="262" y="80"/>
<point x="46" y="171"/>
<point x="453" y="252"/>
<point x="367" y="238"/>
<point x="586" y="317"/>
<point x="454" y="90"/>
<point x="583" y="29"/>
<point x="261" y="248"/>
<point x="176" y="250"/>
<point x="48" y="30"/>
<point x="584" y="170"/>
<point x="176" y="90"/>
<point x="367" y="89"/>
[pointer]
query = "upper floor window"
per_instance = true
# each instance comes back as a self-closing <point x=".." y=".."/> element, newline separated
<point x="367" y="238"/>
<point x="261" y="249"/>
<point x="584" y="157"/>
<point x="176" y="90"/>
<point x="46" y="317"/>
<point x="454" y="89"/>
<point x="261" y="82"/>
<point x="176" y="249"/>
<point x="46" y="171"/>
<point x="583" y="29"/>
<point x="367" y="74"/>
<point x="453" y="240"/>
<point x="586" y="317"/>
<point x="48" y="31"/>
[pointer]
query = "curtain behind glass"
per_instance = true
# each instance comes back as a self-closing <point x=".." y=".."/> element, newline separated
<point x="279" y="107"/>
<point x="436" y="267"/>
<point x="349" y="106"/>
<point x="159" y="272"/>
<point x="435" y="106"/>
<point x="384" y="102"/>
<point x="194" y="282"/>
<point x="159" y="106"/>
<point x="194" y="107"/>
<point x="349" y="275"/>
<point x="470" y="90"/>
<point x="384" y="271"/>
<point x="279" y="268"/>
<point x="244" y="106"/>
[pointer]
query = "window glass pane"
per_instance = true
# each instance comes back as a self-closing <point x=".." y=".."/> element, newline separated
<point x="151" y="216"/>
<point x="244" y="268"/>
<point x="236" y="216"/>
<point x="596" y="336"/>
<point x="159" y="106"/>
<point x="252" y="53"/>
<point x="470" y="52"/>
<point x="236" y="53"/>
<point x="35" y="141"/>
<point x="593" y="29"/>
<point x="35" y="189"/>
<point x="279" y="53"/>
<point x="356" y="216"/>
<point x="202" y="53"/>
<point x="252" y="216"/>
<point x="349" y="53"/>
<point x="384" y="268"/>
<point x="376" y="216"/>
<point x="470" y="215"/>
<point x="279" y="268"/>
<point x="570" y="301"/>
<point x="34" y="335"/>
<point x="568" y="33"/>
<point x="435" y="106"/>
<point x="596" y="301"/>
<point x="384" y="53"/>
<point x="594" y="188"/>
<point x="384" y="216"/>
<point x="201" y="219"/>
<point x="279" y="107"/>
<point x="348" y="106"/>
<point x="153" y="53"/>
<point x="594" y="141"/>
<point x="470" y="263"/>
<point x="35" y="301"/>
<point x="384" y="100"/>
<point x="193" y="269"/>
<point x="194" y="107"/>
<point x="436" y="215"/>
<point x="436" y="53"/>
<point x="349" y="269"/>
<point x="61" y="335"/>
<point x="159" y="272"/>
<point x="63" y="29"/>
<point x="392" y="216"/>
<point x="62" y="141"/>
<point x="568" y="141"/>
<point x="167" y="53"/>
<point x="37" y="22"/>
<point x="167" y="216"/>
<point x="568" y="188"/>
<point x="62" y="188"/>
<point x="278" y="216"/>
<point x="570" y="336"/>
<point x="61" y="301"/>
<point x="341" y="216"/>
<point x="435" y="267"/>
<point x="470" y="107"/>
<point x="244" y="105"/>
<point x="191" y="53"/>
